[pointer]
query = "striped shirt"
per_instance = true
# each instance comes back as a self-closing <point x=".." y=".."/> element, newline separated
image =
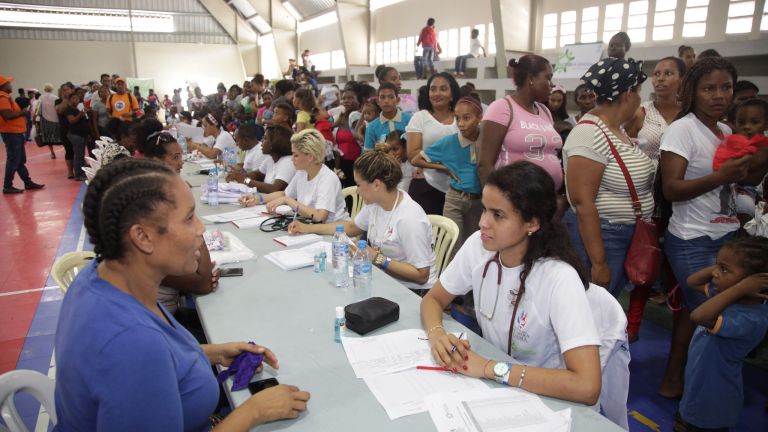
<point x="613" y="201"/>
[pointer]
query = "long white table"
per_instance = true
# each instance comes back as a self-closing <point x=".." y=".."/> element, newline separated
<point x="292" y="313"/>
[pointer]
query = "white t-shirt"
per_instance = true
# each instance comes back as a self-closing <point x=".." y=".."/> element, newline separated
<point x="283" y="169"/>
<point x="403" y="234"/>
<point x="553" y="317"/>
<point x="474" y="47"/>
<point x="254" y="158"/>
<point x="432" y="130"/>
<point x="323" y="193"/>
<point x="712" y="214"/>
<point x="224" y="140"/>
<point x="407" y="170"/>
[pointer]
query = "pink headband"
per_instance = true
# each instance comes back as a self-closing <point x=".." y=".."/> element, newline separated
<point x="558" y="88"/>
<point x="472" y="102"/>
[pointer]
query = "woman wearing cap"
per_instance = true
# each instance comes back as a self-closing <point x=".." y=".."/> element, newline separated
<point x="601" y="220"/>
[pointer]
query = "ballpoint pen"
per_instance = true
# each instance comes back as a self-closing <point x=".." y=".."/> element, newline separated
<point x="296" y="213"/>
<point x="453" y="350"/>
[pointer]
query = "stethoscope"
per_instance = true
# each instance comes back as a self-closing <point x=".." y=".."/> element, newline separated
<point x="497" y="260"/>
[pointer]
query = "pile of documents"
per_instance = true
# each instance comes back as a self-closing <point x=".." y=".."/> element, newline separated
<point x="388" y="365"/>
<point x="292" y="259"/>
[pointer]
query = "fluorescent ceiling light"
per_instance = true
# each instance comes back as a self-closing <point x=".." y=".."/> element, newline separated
<point x="378" y="4"/>
<point x="15" y="15"/>
<point x="292" y="10"/>
<point x="317" y="22"/>
<point x="244" y="6"/>
<point x="261" y="25"/>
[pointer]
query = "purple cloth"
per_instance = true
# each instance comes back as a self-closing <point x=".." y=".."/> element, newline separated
<point x="243" y="368"/>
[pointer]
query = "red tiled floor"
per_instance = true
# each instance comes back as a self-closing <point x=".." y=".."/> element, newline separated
<point x="34" y="223"/>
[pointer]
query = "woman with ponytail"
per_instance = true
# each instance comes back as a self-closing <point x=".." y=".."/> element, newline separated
<point x="399" y="232"/>
<point x="212" y="127"/>
<point x="529" y="289"/>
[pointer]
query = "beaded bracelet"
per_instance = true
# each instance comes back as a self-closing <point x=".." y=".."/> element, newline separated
<point x="434" y="328"/>
<point x="522" y="377"/>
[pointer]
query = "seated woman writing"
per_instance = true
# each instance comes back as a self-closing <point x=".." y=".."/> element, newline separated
<point x="399" y="231"/>
<point x="315" y="191"/>
<point x="276" y="170"/>
<point x="212" y="127"/>
<point x="124" y="362"/>
<point x="529" y="290"/>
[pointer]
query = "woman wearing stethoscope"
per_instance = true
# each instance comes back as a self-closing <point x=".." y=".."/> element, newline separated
<point x="529" y="293"/>
<point x="399" y="232"/>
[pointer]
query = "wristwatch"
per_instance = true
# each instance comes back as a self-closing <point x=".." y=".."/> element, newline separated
<point x="379" y="260"/>
<point x="501" y="372"/>
<point x="248" y="181"/>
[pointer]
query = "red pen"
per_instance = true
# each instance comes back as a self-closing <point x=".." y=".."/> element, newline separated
<point x="434" y="368"/>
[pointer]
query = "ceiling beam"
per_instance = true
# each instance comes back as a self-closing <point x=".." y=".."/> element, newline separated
<point x="232" y="23"/>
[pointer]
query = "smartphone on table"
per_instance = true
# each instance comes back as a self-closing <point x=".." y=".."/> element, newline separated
<point x="257" y="386"/>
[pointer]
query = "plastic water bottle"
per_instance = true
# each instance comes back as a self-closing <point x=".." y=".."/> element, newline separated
<point x="338" y="324"/>
<point x="230" y="158"/>
<point x="213" y="187"/>
<point x="183" y="143"/>
<point x="340" y="257"/>
<point x="174" y="132"/>
<point x="319" y="261"/>
<point x="362" y="271"/>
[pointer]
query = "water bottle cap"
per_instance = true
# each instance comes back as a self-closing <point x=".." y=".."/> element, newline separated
<point x="339" y="228"/>
<point x="361" y="244"/>
<point x="339" y="311"/>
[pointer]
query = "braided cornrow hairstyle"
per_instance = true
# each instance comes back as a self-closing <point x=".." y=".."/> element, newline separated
<point x="531" y="191"/>
<point x="694" y="75"/>
<point x="752" y="253"/>
<point x="119" y="195"/>
<point x="379" y="165"/>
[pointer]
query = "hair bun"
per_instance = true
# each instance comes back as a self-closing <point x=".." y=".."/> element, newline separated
<point x="513" y="63"/>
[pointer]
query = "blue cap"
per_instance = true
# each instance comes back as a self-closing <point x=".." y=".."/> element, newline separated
<point x="361" y="244"/>
<point x="339" y="228"/>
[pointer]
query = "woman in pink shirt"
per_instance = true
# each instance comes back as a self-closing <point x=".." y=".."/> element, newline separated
<point x="520" y="127"/>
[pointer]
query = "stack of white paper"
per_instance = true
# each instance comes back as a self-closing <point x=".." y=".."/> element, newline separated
<point x="244" y="213"/>
<point x="495" y="410"/>
<point x="297" y="240"/>
<point x="250" y="222"/>
<point x="388" y="364"/>
<point x="293" y="259"/>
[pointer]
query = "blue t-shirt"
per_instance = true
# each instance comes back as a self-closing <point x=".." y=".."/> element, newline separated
<point x="459" y="155"/>
<point x="377" y="130"/>
<point x="714" y="394"/>
<point x="120" y="367"/>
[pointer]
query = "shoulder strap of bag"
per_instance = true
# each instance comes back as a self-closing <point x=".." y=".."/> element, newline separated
<point x="511" y="111"/>
<point x="636" y="206"/>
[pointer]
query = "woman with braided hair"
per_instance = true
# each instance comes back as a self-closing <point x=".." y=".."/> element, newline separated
<point x="124" y="362"/>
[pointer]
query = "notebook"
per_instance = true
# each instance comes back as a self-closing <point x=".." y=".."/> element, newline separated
<point x="293" y="259"/>
<point x="297" y="240"/>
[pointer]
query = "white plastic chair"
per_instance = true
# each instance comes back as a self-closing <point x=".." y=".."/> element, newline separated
<point x="445" y="232"/>
<point x="611" y="324"/>
<point x="68" y="265"/>
<point x="357" y="202"/>
<point x="32" y="382"/>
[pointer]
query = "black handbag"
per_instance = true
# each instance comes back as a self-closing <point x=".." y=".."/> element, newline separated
<point x="370" y="314"/>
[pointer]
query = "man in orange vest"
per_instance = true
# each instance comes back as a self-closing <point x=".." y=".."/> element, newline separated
<point x="13" y="126"/>
<point x="122" y="104"/>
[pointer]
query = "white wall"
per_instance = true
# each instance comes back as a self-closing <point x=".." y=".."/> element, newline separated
<point x="409" y="17"/>
<point x="321" y="40"/>
<point x="35" y="62"/>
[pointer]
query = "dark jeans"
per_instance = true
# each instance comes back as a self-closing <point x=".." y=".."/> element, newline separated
<point x="78" y="160"/>
<point x="429" y="198"/>
<point x="16" y="159"/>
<point x="461" y="63"/>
